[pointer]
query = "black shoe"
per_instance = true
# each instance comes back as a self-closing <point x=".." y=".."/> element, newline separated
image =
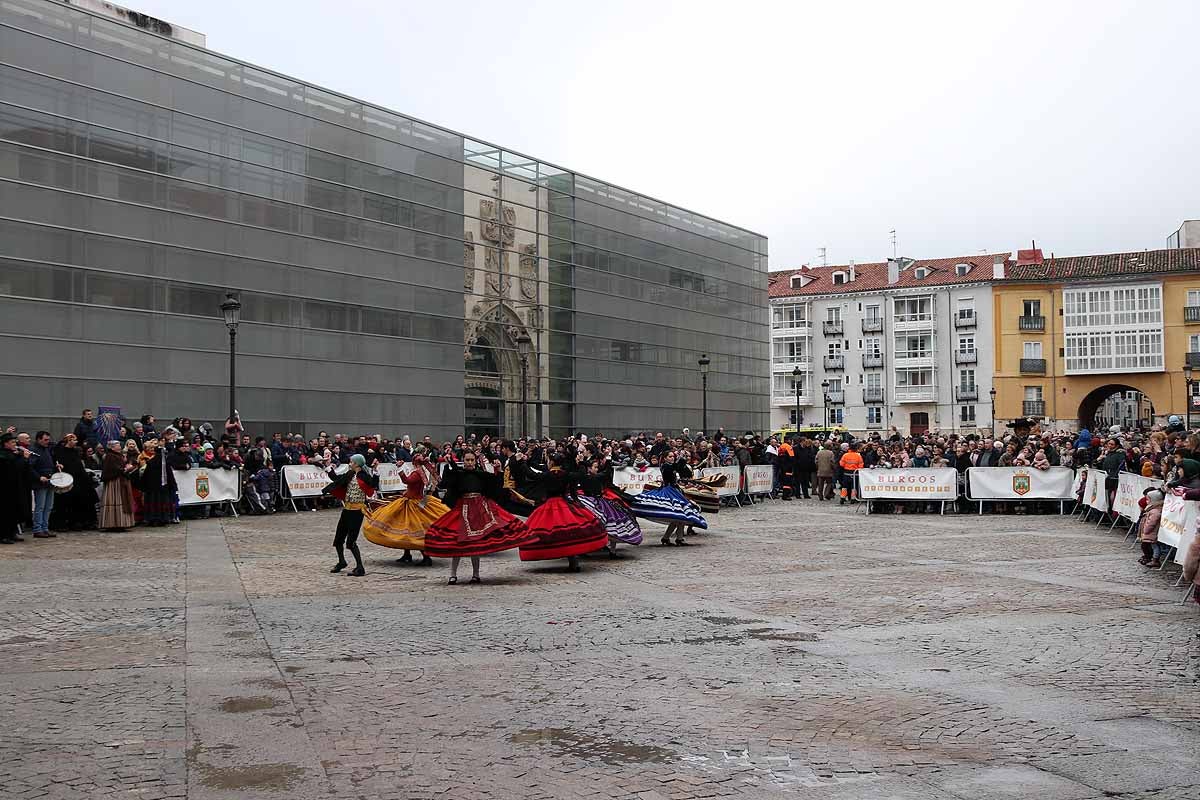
<point x="682" y="543"/>
<point x="665" y="542"/>
<point x="405" y="559"/>
<point x="453" y="580"/>
<point x="8" y="541"/>
<point x="426" y="562"/>
<point x="45" y="535"/>
<point x="357" y="572"/>
<point x="341" y="565"/>
<point x="17" y="539"/>
<point x="474" y="579"/>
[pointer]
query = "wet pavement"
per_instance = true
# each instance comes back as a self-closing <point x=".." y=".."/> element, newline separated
<point x="794" y="650"/>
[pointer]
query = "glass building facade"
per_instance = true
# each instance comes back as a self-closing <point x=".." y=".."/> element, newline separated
<point x="395" y="277"/>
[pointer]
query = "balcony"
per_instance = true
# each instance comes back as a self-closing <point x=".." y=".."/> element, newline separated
<point x="1192" y="359"/>
<point x="835" y="362"/>
<point x="872" y="361"/>
<point x="1191" y="313"/>
<point x="965" y="322"/>
<point x="872" y="325"/>
<point x="837" y="398"/>
<point x="1033" y="366"/>
<point x="964" y="394"/>
<point x="966" y="356"/>
<point x="1032" y="323"/>
<point x="874" y="426"/>
<point x="910" y="322"/>
<point x="832" y="327"/>
<point x="915" y="394"/>
<point x="872" y="395"/>
<point x="1033" y="408"/>
<point x="787" y="363"/>
<point x="789" y="400"/>
<point x="913" y="358"/>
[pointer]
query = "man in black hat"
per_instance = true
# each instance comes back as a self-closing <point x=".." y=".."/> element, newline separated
<point x="12" y="465"/>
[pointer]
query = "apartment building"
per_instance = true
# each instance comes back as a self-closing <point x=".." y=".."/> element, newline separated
<point x="1073" y="332"/>
<point x="902" y="343"/>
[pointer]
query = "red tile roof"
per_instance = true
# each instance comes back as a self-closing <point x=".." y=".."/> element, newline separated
<point x="873" y="276"/>
<point x="1146" y="262"/>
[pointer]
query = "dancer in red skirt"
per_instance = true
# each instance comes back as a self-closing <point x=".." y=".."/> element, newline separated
<point x="476" y="524"/>
<point x="565" y="528"/>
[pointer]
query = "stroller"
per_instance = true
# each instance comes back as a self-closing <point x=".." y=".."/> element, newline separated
<point x="260" y="491"/>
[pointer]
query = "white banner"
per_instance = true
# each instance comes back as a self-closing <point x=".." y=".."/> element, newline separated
<point x="304" y="480"/>
<point x="733" y="477"/>
<point x="632" y="480"/>
<point x="1129" y="491"/>
<point x="760" y="479"/>
<point x="198" y="486"/>
<point x="389" y="476"/>
<point x="908" y="484"/>
<point x="1093" y="493"/>
<point x="1078" y="483"/>
<point x="1021" y="483"/>
<point x="1178" y="524"/>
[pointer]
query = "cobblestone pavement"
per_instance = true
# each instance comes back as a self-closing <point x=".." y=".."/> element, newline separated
<point x="795" y="650"/>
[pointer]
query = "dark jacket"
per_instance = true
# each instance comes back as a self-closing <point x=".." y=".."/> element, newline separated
<point x="41" y="465"/>
<point x="85" y="431"/>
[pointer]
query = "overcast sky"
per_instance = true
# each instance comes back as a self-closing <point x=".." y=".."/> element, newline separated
<point x="964" y="127"/>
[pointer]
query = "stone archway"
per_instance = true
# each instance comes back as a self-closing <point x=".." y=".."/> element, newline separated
<point x="1094" y="400"/>
<point x="493" y="366"/>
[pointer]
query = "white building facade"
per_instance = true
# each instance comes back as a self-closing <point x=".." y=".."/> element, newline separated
<point x="904" y="344"/>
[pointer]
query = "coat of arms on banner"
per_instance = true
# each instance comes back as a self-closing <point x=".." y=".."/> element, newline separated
<point x="202" y="485"/>
<point x="1020" y="484"/>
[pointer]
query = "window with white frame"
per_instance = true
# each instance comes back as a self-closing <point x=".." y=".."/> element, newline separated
<point x="874" y="381"/>
<point x="966" y="308"/>
<point x="966" y="344"/>
<point x="785" y="384"/>
<point x="833" y="314"/>
<point x="873" y="346"/>
<point x="914" y="378"/>
<point x="790" y="348"/>
<point x="1031" y="308"/>
<point x="1033" y="394"/>
<point x="789" y="316"/>
<point x="834" y="348"/>
<point x="837" y="415"/>
<point x="1032" y="350"/>
<point x="961" y="269"/>
<point x="966" y="414"/>
<point x="913" y="309"/>
<point x="966" y="380"/>
<point x="839" y="278"/>
<point x="1113" y="328"/>
<point x="914" y="346"/>
<point x="1194" y="343"/>
<point x="835" y="385"/>
<point x="874" y="415"/>
<point x="1193" y="298"/>
<point x="872" y="313"/>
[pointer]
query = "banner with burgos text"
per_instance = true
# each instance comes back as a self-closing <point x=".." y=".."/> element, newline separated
<point x="908" y="484"/>
<point x="1021" y="483"/>
<point x="634" y="480"/>
<point x="202" y="486"/>
<point x="1178" y="523"/>
<point x="1129" y="491"/>
<point x="304" y="480"/>
<point x="389" y="476"/>
<point x="1094" y="494"/>
<point x="760" y="479"/>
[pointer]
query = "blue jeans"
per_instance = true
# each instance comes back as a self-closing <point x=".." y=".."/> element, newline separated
<point x="43" y="504"/>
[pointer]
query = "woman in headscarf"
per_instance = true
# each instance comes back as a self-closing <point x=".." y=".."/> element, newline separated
<point x="401" y="524"/>
<point x="116" y="508"/>
<point x="157" y="481"/>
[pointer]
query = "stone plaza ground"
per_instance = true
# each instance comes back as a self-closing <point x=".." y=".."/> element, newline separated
<point x="795" y="650"/>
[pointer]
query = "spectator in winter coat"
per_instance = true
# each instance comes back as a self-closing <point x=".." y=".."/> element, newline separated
<point x="1152" y="506"/>
<point x="826" y="462"/>
<point x="85" y="429"/>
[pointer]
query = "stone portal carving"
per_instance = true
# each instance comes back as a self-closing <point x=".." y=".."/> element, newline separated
<point x="469" y="262"/>
<point x="500" y="229"/>
<point x="496" y="263"/>
<point x="528" y="271"/>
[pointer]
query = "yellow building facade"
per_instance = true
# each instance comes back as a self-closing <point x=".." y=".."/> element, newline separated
<point x="1070" y="332"/>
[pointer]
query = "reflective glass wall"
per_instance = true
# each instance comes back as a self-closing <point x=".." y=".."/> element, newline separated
<point x="395" y="277"/>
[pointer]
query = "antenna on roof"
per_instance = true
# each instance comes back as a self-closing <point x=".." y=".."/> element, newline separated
<point x="893" y="232"/>
<point x="821" y="255"/>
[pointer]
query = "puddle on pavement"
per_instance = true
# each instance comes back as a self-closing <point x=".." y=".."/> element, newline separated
<point x="256" y="776"/>
<point x="772" y="635"/>
<point x="241" y="705"/>
<point x="566" y="742"/>
<point x="730" y="621"/>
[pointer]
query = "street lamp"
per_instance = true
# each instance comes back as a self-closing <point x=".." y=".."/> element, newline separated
<point x="825" y="408"/>
<point x="1188" y="380"/>
<point x="231" y="310"/>
<point x="796" y="385"/>
<point x="704" y="362"/>
<point x="992" y="392"/>
<point x="523" y="345"/>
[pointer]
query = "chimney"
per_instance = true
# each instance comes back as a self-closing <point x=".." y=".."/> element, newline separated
<point x="852" y="274"/>
<point x="998" y="268"/>
<point x="893" y="271"/>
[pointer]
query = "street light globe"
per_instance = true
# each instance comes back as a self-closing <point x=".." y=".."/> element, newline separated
<point x="523" y="343"/>
<point x="795" y="372"/>
<point x="704" y="362"/>
<point x="231" y="310"/>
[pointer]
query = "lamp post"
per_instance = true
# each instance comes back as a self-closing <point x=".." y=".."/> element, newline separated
<point x="523" y="345"/>
<point x="992" y="394"/>
<point x="231" y="310"/>
<point x="825" y="408"/>
<point x="704" y="362"/>
<point x="1188" y="380"/>
<point x="796" y="385"/>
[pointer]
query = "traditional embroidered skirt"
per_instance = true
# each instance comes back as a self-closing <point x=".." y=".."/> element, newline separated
<point x="563" y="530"/>
<point x="158" y="506"/>
<point x="667" y="504"/>
<point x="402" y="523"/>
<point x="116" y="509"/>
<point x="619" y="524"/>
<point x="475" y="526"/>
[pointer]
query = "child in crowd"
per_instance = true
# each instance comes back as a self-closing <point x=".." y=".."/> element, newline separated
<point x="1151" y="505"/>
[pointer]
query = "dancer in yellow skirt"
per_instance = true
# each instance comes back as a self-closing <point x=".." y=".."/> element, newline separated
<point x="401" y="524"/>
